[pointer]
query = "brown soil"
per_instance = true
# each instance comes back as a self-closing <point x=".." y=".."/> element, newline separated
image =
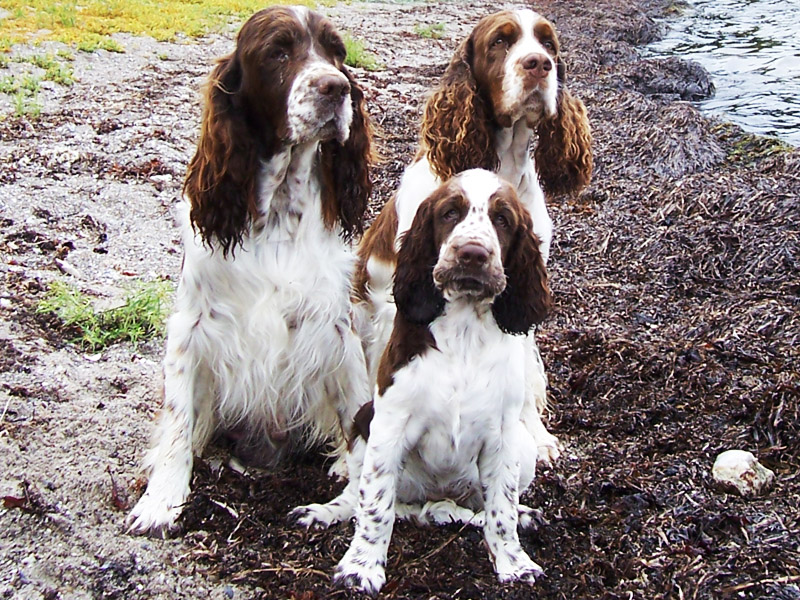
<point x="676" y="276"/>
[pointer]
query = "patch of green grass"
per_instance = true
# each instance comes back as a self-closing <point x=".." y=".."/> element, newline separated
<point x="66" y="55"/>
<point x="26" y="104"/>
<point x="358" y="55"/>
<point x="5" y="43"/>
<point x="435" y="31"/>
<point x="30" y="84"/>
<point x="56" y="14"/>
<point x="61" y="74"/>
<point x="92" y="42"/>
<point x="26" y="84"/>
<point x="142" y="316"/>
<point x="43" y="61"/>
<point x="88" y="24"/>
<point x="54" y="70"/>
<point x="8" y="85"/>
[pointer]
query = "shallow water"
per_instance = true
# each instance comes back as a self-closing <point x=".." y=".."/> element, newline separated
<point x="751" y="48"/>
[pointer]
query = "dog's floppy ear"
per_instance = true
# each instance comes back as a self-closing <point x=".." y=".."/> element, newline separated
<point x="346" y="167"/>
<point x="563" y="153"/>
<point x="220" y="180"/>
<point x="456" y="127"/>
<point x="415" y="294"/>
<point x="526" y="301"/>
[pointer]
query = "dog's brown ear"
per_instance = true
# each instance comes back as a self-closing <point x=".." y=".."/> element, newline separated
<point x="526" y="301"/>
<point x="220" y="180"/>
<point x="564" y="151"/>
<point x="456" y="129"/>
<point x="346" y="168"/>
<point x="415" y="294"/>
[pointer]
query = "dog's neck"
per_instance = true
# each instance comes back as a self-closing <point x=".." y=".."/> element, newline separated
<point x="513" y="149"/>
<point x="465" y="325"/>
<point x="289" y="188"/>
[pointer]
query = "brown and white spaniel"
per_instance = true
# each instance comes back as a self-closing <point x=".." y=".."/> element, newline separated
<point x="261" y="340"/>
<point x="504" y="90"/>
<point x="445" y="434"/>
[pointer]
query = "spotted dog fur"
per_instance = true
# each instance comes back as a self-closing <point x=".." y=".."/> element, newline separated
<point x="444" y="436"/>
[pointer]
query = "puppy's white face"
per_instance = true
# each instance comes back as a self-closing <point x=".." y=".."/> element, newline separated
<point x="473" y="220"/>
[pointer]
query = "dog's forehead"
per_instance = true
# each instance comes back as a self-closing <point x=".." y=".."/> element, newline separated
<point x="535" y="28"/>
<point x="527" y="18"/>
<point x="302" y="13"/>
<point x="478" y="187"/>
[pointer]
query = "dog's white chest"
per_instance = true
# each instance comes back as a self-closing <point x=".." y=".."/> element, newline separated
<point x="457" y="398"/>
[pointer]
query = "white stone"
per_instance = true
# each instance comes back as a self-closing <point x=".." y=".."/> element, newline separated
<point x="739" y="470"/>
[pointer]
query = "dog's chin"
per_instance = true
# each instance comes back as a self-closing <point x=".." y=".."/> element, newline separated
<point x="324" y="130"/>
<point x="532" y="105"/>
<point x="477" y="287"/>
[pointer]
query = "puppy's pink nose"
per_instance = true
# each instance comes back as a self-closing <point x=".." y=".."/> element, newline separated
<point x="473" y="255"/>
<point x="333" y="85"/>
<point x="538" y="65"/>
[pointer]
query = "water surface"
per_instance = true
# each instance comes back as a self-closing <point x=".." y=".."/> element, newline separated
<point x="751" y="48"/>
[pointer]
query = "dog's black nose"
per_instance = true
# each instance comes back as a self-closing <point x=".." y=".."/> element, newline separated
<point x="473" y="255"/>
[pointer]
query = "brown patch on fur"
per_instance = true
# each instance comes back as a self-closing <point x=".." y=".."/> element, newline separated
<point x="346" y="180"/>
<point x="457" y="132"/>
<point x="407" y="341"/>
<point x="415" y="293"/>
<point x="361" y="422"/>
<point x="378" y="242"/>
<point x="526" y="300"/>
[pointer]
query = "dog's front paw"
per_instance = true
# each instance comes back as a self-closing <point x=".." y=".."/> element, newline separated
<point x="516" y="566"/>
<point x="360" y="571"/>
<point x="548" y="447"/>
<point x="155" y="516"/>
<point x="317" y="516"/>
<point x="322" y="516"/>
<point x="530" y="518"/>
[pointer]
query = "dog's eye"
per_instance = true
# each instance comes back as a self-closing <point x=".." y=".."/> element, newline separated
<point x="549" y="45"/>
<point x="280" y="54"/>
<point x="340" y="52"/>
<point x="502" y="222"/>
<point x="499" y="41"/>
<point x="451" y="215"/>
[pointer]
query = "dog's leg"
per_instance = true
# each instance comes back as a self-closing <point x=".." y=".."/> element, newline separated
<point x="549" y="448"/>
<point x="499" y="472"/>
<point x="353" y="390"/>
<point x="184" y="416"/>
<point x="363" y="566"/>
<point x="341" y="508"/>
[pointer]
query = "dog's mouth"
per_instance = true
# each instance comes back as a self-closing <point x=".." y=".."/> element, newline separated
<point x="468" y="284"/>
<point x="479" y="285"/>
<point x="328" y="130"/>
<point x="329" y="127"/>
